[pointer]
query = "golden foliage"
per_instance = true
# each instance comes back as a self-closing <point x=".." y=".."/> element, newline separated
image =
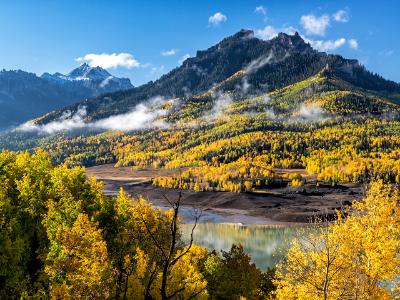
<point x="82" y="269"/>
<point x="353" y="258"/>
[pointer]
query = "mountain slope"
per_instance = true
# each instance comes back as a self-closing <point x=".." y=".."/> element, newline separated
<point x="242" y="65"/>
<point x="24" y="95"/>
<point x="254" y="110"/>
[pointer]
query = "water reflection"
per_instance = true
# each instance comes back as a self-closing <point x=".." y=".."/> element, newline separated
<point x="265" y="244"/>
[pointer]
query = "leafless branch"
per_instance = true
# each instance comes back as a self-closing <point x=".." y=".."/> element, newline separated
<point x="153" y="238"/>
<point x="191" y="241"/>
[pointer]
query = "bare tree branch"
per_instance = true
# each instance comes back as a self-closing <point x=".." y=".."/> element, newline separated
<point x="153" y="238"/>
<point x="190" y="243"/>
<point x="147" y="295"/>
<point x="168" y="259"/>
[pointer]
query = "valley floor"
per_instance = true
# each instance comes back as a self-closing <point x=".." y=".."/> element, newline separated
<point x="277" y="206"/>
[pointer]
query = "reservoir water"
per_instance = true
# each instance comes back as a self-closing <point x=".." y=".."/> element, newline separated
<point x="265" y="244"/>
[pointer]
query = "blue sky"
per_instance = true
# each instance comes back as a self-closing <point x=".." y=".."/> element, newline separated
<point x="145" y="39"/>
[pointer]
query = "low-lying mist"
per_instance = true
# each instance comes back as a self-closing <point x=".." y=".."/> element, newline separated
<point x="142" y="116"/>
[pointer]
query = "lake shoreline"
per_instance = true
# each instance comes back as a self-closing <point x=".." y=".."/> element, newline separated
<point x="284" y="206"/>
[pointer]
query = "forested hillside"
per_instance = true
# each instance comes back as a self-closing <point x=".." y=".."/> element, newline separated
<point x="232" y="116"/>
<point x="243" y="116"/>
<point x="337" y="131"/>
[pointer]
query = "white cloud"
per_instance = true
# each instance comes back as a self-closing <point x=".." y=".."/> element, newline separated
<point x="157" y="70"/>
<point x="341" y="16"/>
<point x="143" y="115"/>
<point x="106" y="81"/>
<point x="311" y="112"/>
<point x="353" y="44"/>
<point x="315" y="25"/>
<point x="222" y="102"/>
<point x="183" y="58"/>
<point x="108" y="61"/>
<point x="269" y="32"/>
<point x="170" y="52"/>
<point x="258" y="63"/>
<point x="146" y="65"/>
<point x="387" y="52"/>
<point x="261" y="10"/>
<point x="67" y="121"/>
<point x="217" y="18"/>
<point x="328" y="45"/>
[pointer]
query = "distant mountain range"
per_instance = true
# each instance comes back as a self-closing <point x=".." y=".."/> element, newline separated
<point x="95" y="79"/>
<point x="242" y="65"/>
<point x="239" y="86"/>
<point x="24" y="96"/>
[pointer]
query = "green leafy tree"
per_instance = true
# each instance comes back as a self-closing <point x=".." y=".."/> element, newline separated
<point x="232" y="276"/>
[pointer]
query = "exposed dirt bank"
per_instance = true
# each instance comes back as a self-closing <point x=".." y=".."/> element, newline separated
<point x="276" y="206"/>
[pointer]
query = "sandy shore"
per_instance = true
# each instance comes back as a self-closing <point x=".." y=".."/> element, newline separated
<point x="279" y="206"/>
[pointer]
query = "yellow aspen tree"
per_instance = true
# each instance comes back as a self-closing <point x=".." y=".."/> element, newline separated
<point x="82" y="268"/>
<point x="357" y="257"/>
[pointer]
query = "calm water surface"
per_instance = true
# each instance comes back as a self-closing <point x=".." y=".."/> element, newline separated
<point x="265" y="244"/>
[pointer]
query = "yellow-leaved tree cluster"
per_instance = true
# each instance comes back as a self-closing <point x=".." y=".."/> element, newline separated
<point x="355" y="257"/>
<point x="62" y="238"/>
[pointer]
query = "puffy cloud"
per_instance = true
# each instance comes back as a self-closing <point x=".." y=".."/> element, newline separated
<point x="353" y="44"/>
<point x="144" y="115"/>
<point x="315" y="25"/>
<point x="170" y="52"/>
<point x="328" y="45"/>
<point x="269" y="32"/>
<point x="183" y="58"/>
<point x="217" y="18"/>
<point x="341" y="16"/>
<point x="108" y="61"/>
<point x="261" y="10"/>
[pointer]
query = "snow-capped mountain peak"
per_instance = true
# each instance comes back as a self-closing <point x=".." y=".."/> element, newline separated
<point x="97" y="79"/>
<point x="86" y="72"/>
